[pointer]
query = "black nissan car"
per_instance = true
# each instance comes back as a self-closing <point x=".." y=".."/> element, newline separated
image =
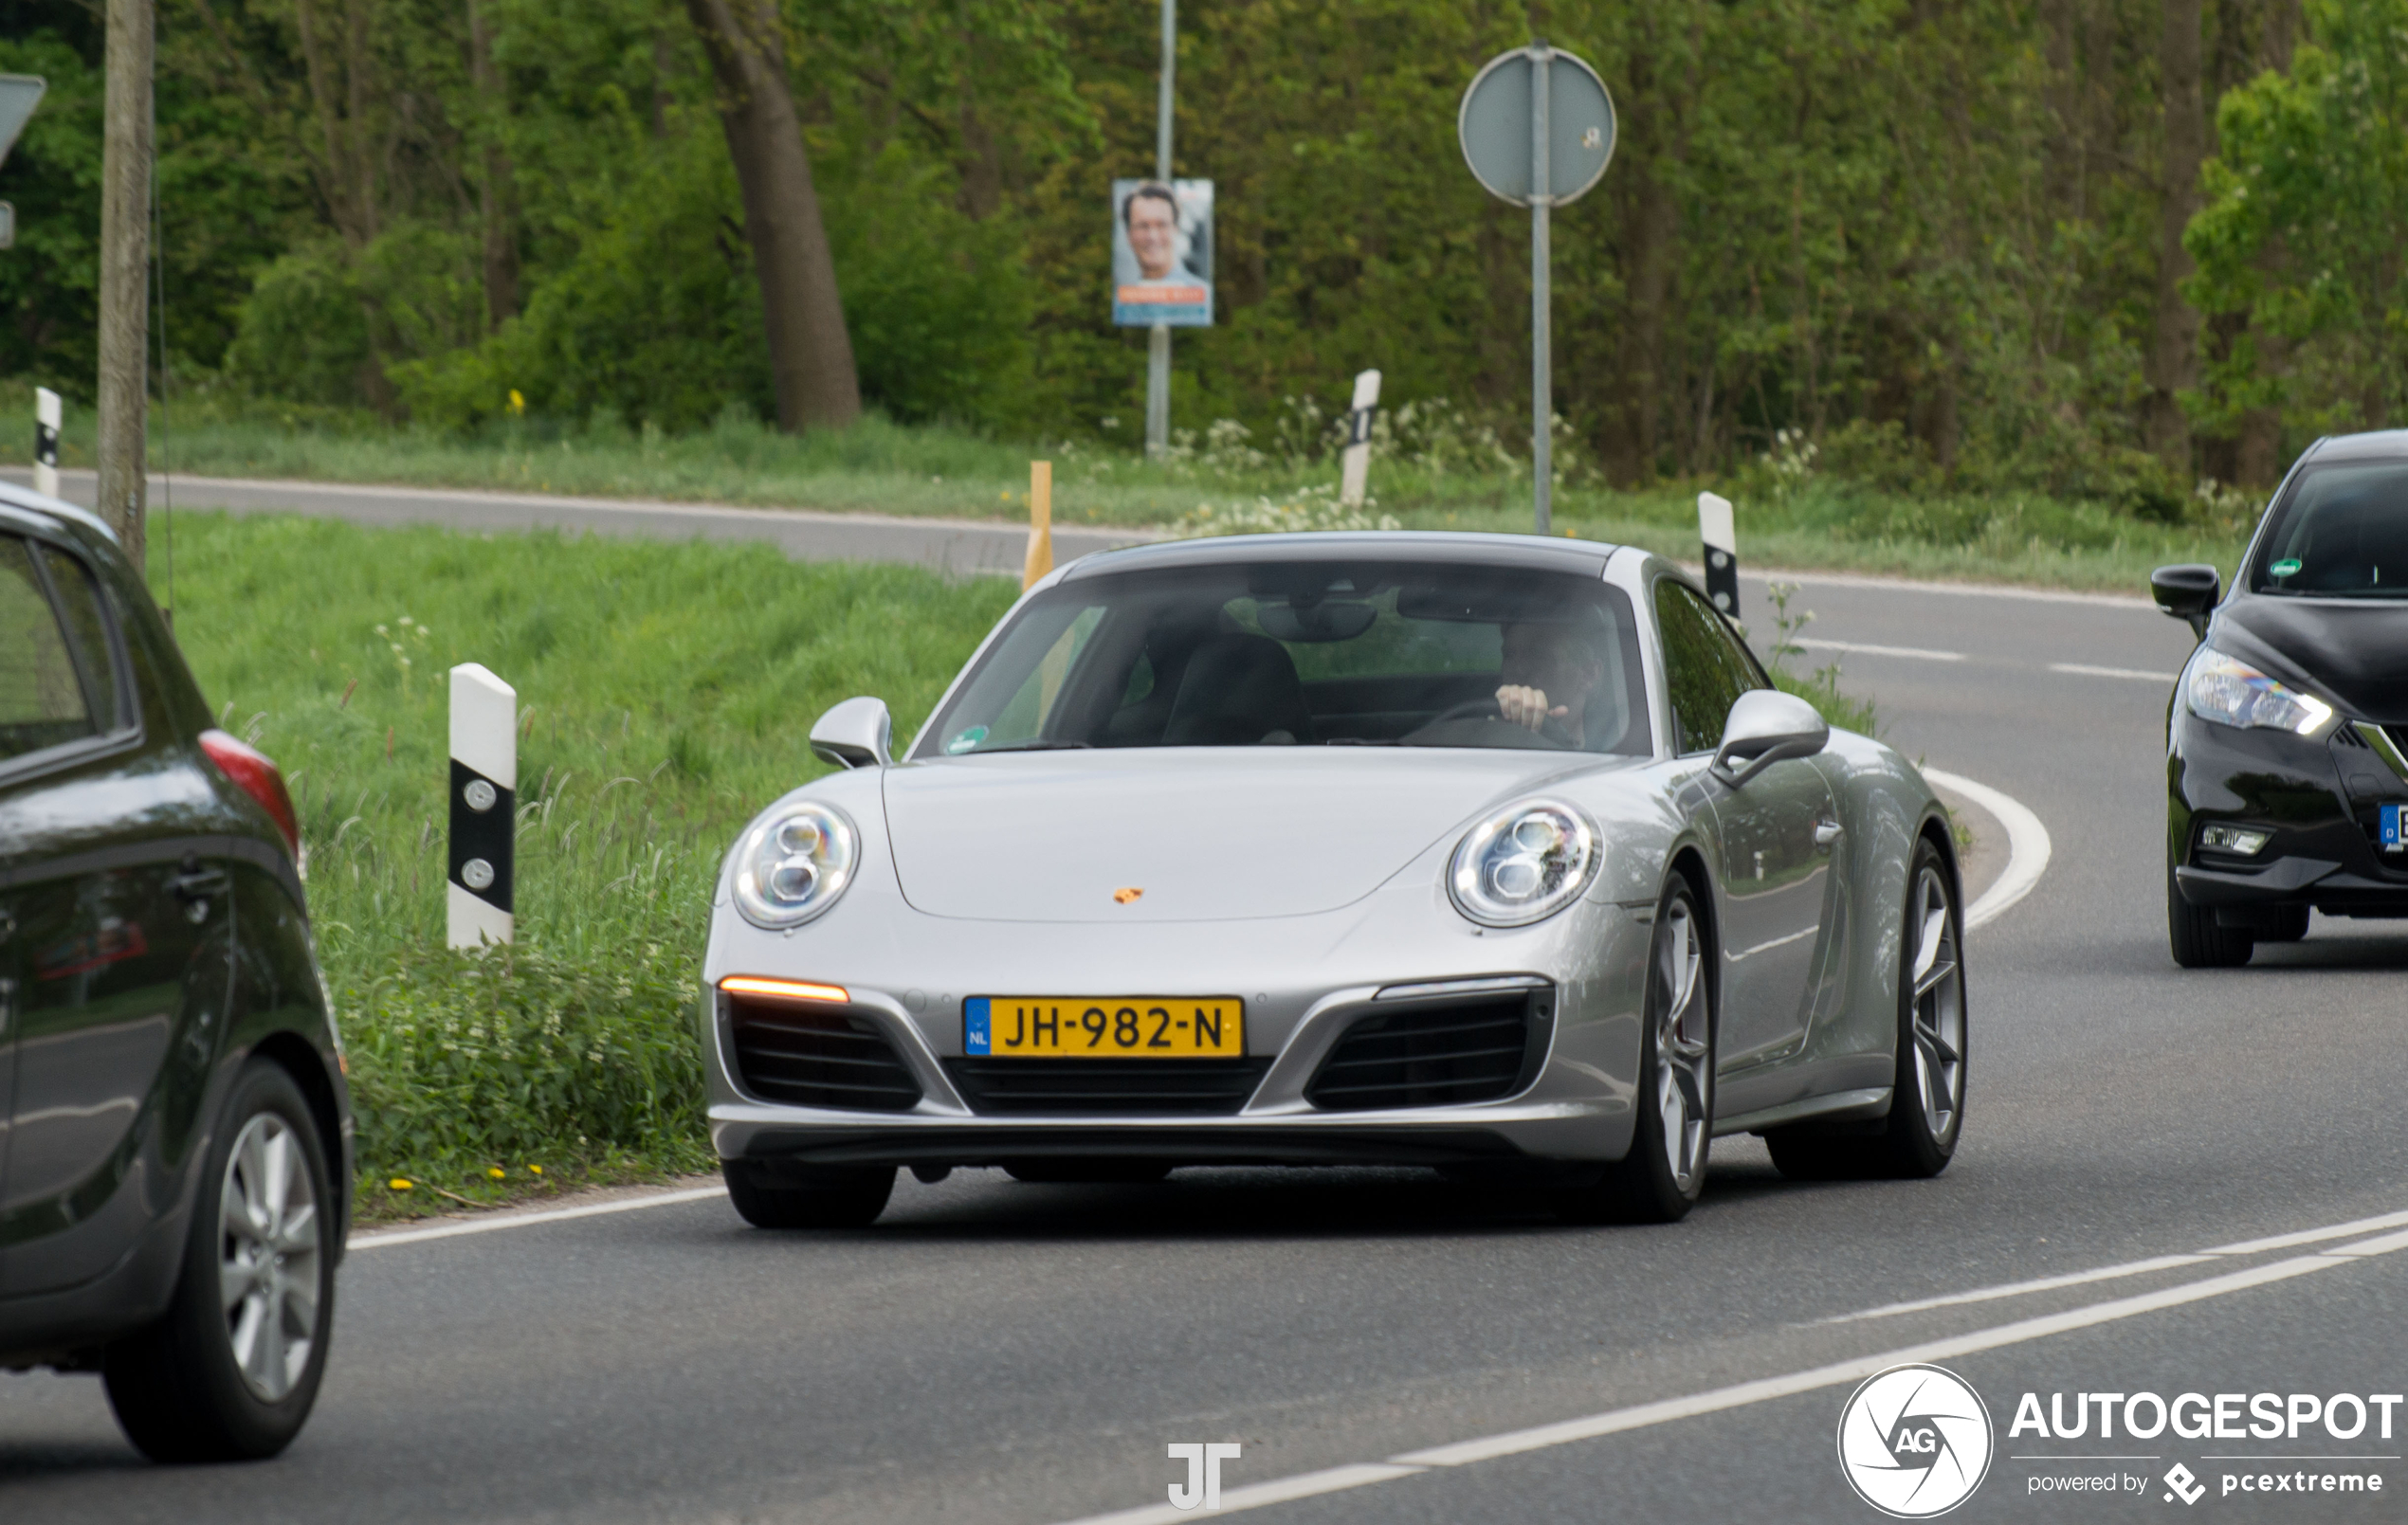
<point x="174" y="1127"/>
<point x="2287" y="743"/>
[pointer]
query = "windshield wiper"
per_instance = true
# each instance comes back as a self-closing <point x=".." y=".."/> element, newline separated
<point x="1040" y="744"/>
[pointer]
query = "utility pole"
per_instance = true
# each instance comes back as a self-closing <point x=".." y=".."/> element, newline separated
<point x="125" y="259"/>
<point x="1157" y="349"/>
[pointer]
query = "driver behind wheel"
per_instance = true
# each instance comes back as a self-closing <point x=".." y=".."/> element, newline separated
<point x="1549" y="674"/>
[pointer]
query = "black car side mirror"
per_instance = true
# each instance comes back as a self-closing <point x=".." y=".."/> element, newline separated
<point x="2187" y="594"/>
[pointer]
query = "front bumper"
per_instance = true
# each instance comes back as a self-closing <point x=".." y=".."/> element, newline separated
<point x="2320" y="800"/>
<point x="1306" y="982"/>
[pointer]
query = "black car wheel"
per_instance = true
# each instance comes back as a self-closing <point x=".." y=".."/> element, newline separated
<point x="2198" y="941"/>
<point x="808" y="1196"/>
<point x="231" y="1371"/>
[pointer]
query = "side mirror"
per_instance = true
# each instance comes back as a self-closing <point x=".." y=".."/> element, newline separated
<point x="1765" y="727"/>
<point x="2187" y="594"/>
<point x="857" y="733"/>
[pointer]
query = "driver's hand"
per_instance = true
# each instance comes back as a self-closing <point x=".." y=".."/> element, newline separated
<point x="1528" y="707"/>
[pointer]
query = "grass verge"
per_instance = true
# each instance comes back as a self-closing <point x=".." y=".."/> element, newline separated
<point x="665" y="694"/>
<point x="1452" y="476"/>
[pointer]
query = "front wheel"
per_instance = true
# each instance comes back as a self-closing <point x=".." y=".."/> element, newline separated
<point x="2198" y="941"/>
<point x="808" y="1196"/>
<point x="1658" y="1181"/>
<point x="230" y="1373"/>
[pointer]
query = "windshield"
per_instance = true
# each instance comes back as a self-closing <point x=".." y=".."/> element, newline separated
<point x="2342" y="533"/>
<point x="1309" y="653"/>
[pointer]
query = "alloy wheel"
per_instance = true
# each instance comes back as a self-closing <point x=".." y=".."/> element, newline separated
<point x="1684" y="1046"/>
<point x="268" y="1256"/>
<point x="1938" y="1007"/>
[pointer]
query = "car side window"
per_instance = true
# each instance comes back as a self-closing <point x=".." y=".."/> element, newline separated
<point x="1704" y="668"/>
<point x="88" y="620"/>
<point x="42" y="702"/>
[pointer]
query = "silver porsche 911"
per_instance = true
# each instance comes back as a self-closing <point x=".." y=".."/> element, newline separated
<point x="1486" y="853"/>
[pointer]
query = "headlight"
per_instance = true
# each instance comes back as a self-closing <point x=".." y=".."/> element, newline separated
<point x="1523" y="864"/>
<point x="792" y="863"/>
<point x="2234" y="693"/>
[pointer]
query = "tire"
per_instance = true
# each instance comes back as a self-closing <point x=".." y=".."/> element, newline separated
<point x="2197" y="940"/>
<point x="1122" y="1172"/>
<point x="1927" y="1088"/>
<point x="219" y="1381"/>
<point x="2290" y="925"/>
<point x="1659" y="1180"/>
<point x="808" y="1196"/>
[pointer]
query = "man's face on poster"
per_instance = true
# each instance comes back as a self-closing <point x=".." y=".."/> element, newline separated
<point x="1154" y="236"/>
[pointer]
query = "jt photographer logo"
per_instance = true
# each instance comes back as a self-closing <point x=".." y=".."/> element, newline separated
<point x="1202" y="1489"/>
<point x="1915" y="1441"/>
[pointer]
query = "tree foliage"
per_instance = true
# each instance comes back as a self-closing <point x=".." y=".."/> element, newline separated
<point x="1925" y="234"/>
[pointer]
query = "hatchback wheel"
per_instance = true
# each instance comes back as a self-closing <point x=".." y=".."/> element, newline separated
<point x="231" y="1371"/>
<point x="2198" y="941"/>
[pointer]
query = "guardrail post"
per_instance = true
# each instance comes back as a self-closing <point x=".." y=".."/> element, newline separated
<point x="45" y="442"/>
<point x="1715" y="528"/>
<point x="1355" y="466"/>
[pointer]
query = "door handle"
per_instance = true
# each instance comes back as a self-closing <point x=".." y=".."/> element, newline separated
<point x="1826" y="832"/>
<point x="201" y="884"/>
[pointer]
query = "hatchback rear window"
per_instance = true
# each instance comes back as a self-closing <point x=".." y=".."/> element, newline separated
<point x="42" y="698"/>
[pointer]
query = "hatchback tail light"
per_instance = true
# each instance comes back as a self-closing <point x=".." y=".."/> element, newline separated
<point x="256" y="776"/>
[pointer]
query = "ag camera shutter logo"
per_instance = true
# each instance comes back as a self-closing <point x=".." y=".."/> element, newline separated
<point x="1915" y="1441"/>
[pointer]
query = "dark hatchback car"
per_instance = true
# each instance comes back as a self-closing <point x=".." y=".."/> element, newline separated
<point x="175" y="1163"/>
<point x="2287" y="743"/>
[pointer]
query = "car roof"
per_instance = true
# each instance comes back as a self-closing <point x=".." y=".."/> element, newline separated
<point x="2376" y="444"/>
<point x="1528" y="551"/>
<point x="28" y="503"/>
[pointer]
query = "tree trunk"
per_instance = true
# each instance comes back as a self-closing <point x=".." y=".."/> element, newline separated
<point x="125" y="260"/>
<point x="497" y="194"/>
<point x="810" y="355"/>
<point x="2173" y="355"/>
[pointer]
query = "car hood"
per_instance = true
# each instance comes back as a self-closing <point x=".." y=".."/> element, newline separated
<point x="1205" y="833"/>
<point x="2354" y="650"/>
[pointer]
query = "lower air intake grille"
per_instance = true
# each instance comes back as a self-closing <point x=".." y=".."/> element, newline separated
<point x="1433" y="1055"/>
<point x="1106" y="1087"/>
<point x="818" y="1056"/>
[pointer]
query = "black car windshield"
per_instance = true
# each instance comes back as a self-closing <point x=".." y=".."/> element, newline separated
<point x="2342" y="532"/>
<point x="1307" y="653"/>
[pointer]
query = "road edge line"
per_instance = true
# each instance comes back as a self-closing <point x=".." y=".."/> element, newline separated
<point x="2028" y="846"/>
<point x="389" y="1238"/>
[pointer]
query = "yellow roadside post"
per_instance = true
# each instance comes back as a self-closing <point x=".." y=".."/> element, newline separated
<point x="1040" y="523"/>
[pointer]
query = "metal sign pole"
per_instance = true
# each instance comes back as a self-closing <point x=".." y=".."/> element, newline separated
<point x="1542" y="266"/>
<point x="1157" y="346"/>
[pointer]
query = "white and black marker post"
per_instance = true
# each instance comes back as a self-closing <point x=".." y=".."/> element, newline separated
<point x="1355" y="464"/>
<point x="45" y="442"/>
<point x="484" y="786"/>
<point x="1721" y="551"/>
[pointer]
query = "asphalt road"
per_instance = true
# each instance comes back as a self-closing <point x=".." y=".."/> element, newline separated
<point x="993" y="1350"/>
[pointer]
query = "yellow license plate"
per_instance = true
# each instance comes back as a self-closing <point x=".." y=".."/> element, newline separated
<point x="1118" y="1027"/>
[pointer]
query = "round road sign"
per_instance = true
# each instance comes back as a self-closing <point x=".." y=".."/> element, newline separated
<point x="1495" y="125"/>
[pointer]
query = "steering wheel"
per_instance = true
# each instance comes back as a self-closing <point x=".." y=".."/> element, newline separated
<point x="1551" y="729"/>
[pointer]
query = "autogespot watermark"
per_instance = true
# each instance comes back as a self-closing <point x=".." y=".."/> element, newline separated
<point x="1916" y="1440"/>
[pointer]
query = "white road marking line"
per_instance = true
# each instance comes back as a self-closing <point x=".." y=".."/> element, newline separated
<point x="2026" y="845"/>
<point x="2084" y="669"/>
<point x="2311" y="1236"/>
<point x="2017" y="1289"/>
<point x="1740" y="1395"/>
<point x="1916" y="653"/>
<point x="520" y="1220"/>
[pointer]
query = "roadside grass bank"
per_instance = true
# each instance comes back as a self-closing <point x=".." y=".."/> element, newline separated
<point x="665" y="694"/>
<point x="1433" y="471"/>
